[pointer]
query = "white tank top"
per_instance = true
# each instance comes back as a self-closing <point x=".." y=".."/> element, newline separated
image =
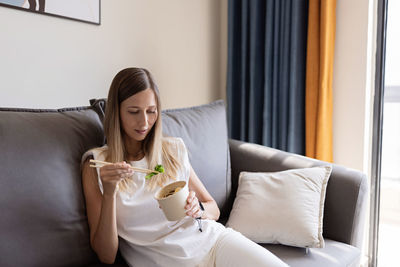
<point x="146" y="237"/>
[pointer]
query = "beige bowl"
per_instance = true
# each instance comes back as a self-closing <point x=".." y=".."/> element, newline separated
<point x="173" y="203"/>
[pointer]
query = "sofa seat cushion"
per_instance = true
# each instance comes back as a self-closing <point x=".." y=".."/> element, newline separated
<point x="334" y="254"/>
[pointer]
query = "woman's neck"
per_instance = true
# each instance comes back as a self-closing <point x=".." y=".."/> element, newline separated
<point x="133" y="149"/>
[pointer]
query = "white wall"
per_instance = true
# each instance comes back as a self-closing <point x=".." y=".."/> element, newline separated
<point x="48" y="62"/>
<point x="352" y="79"/>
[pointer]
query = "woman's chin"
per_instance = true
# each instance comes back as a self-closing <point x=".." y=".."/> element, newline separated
<point x="139" y="137"/>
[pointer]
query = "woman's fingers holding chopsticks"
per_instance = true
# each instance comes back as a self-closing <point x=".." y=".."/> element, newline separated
<point x="120" y="169"/>
<point x="111" y="174"/>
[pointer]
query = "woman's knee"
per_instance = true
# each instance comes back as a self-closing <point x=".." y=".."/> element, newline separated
<point x="234" y="249"/>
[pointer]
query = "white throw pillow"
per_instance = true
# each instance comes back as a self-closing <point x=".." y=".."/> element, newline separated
<point x="281" y="207"/>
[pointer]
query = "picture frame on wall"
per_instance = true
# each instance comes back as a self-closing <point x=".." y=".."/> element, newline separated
<point x="80" y="10"/>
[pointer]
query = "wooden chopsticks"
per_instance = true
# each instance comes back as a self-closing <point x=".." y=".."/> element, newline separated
<point x="99" y="163"/>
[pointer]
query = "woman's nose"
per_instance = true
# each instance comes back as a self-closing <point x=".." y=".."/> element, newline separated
<point x="143" y="122"/>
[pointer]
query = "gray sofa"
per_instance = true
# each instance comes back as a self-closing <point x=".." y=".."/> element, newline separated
<point x="43" y="220"/>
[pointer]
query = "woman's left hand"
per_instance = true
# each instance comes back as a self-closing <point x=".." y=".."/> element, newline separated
<point x="193" y="207"/>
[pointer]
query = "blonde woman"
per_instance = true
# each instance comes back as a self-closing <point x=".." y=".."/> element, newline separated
<point x="121" y="210"/>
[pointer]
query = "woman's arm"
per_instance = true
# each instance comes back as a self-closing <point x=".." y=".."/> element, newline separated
<point x="198" y="192"/>
<point x="101" y="210"/>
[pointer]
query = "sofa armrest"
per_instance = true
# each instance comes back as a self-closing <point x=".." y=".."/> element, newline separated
<point x="346" y="195"/>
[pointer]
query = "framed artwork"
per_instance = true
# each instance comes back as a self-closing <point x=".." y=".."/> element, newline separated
<point x="81" y="10"/>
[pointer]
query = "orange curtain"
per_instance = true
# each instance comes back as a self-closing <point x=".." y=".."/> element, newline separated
<point x="320" y="51"/>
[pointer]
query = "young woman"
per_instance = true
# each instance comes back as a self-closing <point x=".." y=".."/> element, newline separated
<point x="121" y="209"/>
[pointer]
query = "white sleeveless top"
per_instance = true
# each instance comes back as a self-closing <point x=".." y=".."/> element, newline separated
<point x="146" y="237"/>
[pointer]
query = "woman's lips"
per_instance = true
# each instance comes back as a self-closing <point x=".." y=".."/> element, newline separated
<point x="141" y="131"/>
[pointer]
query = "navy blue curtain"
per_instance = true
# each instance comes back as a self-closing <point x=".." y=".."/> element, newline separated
<point x="267" y="44"/>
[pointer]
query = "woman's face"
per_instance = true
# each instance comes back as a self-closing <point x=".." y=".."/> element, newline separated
<point x="138" y="114"/>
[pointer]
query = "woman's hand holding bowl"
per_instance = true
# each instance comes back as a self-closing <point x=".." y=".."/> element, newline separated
<point x="193" y="207"/>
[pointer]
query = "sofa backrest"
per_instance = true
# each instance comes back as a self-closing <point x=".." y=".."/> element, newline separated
<point x="43" y="220"/>
<point x="204" y="131"/>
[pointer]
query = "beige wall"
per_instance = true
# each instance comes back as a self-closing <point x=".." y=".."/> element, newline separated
<point x="352" y="79"/>
<point x="48" y="62"/>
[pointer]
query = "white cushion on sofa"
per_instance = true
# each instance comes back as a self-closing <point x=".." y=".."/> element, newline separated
<point x="281" y="207"/>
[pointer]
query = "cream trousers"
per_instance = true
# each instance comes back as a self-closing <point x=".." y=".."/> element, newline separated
<point x="233" y="249"/>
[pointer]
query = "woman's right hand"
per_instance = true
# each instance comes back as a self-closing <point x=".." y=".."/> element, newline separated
<point x="112" y="174"/>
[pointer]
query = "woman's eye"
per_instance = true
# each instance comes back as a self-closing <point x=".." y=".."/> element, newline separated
<point x="151" y="111"/>
<point x="133" y="112"/>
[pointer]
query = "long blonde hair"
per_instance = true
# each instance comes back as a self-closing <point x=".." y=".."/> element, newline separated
<point x="126" y="83"/>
